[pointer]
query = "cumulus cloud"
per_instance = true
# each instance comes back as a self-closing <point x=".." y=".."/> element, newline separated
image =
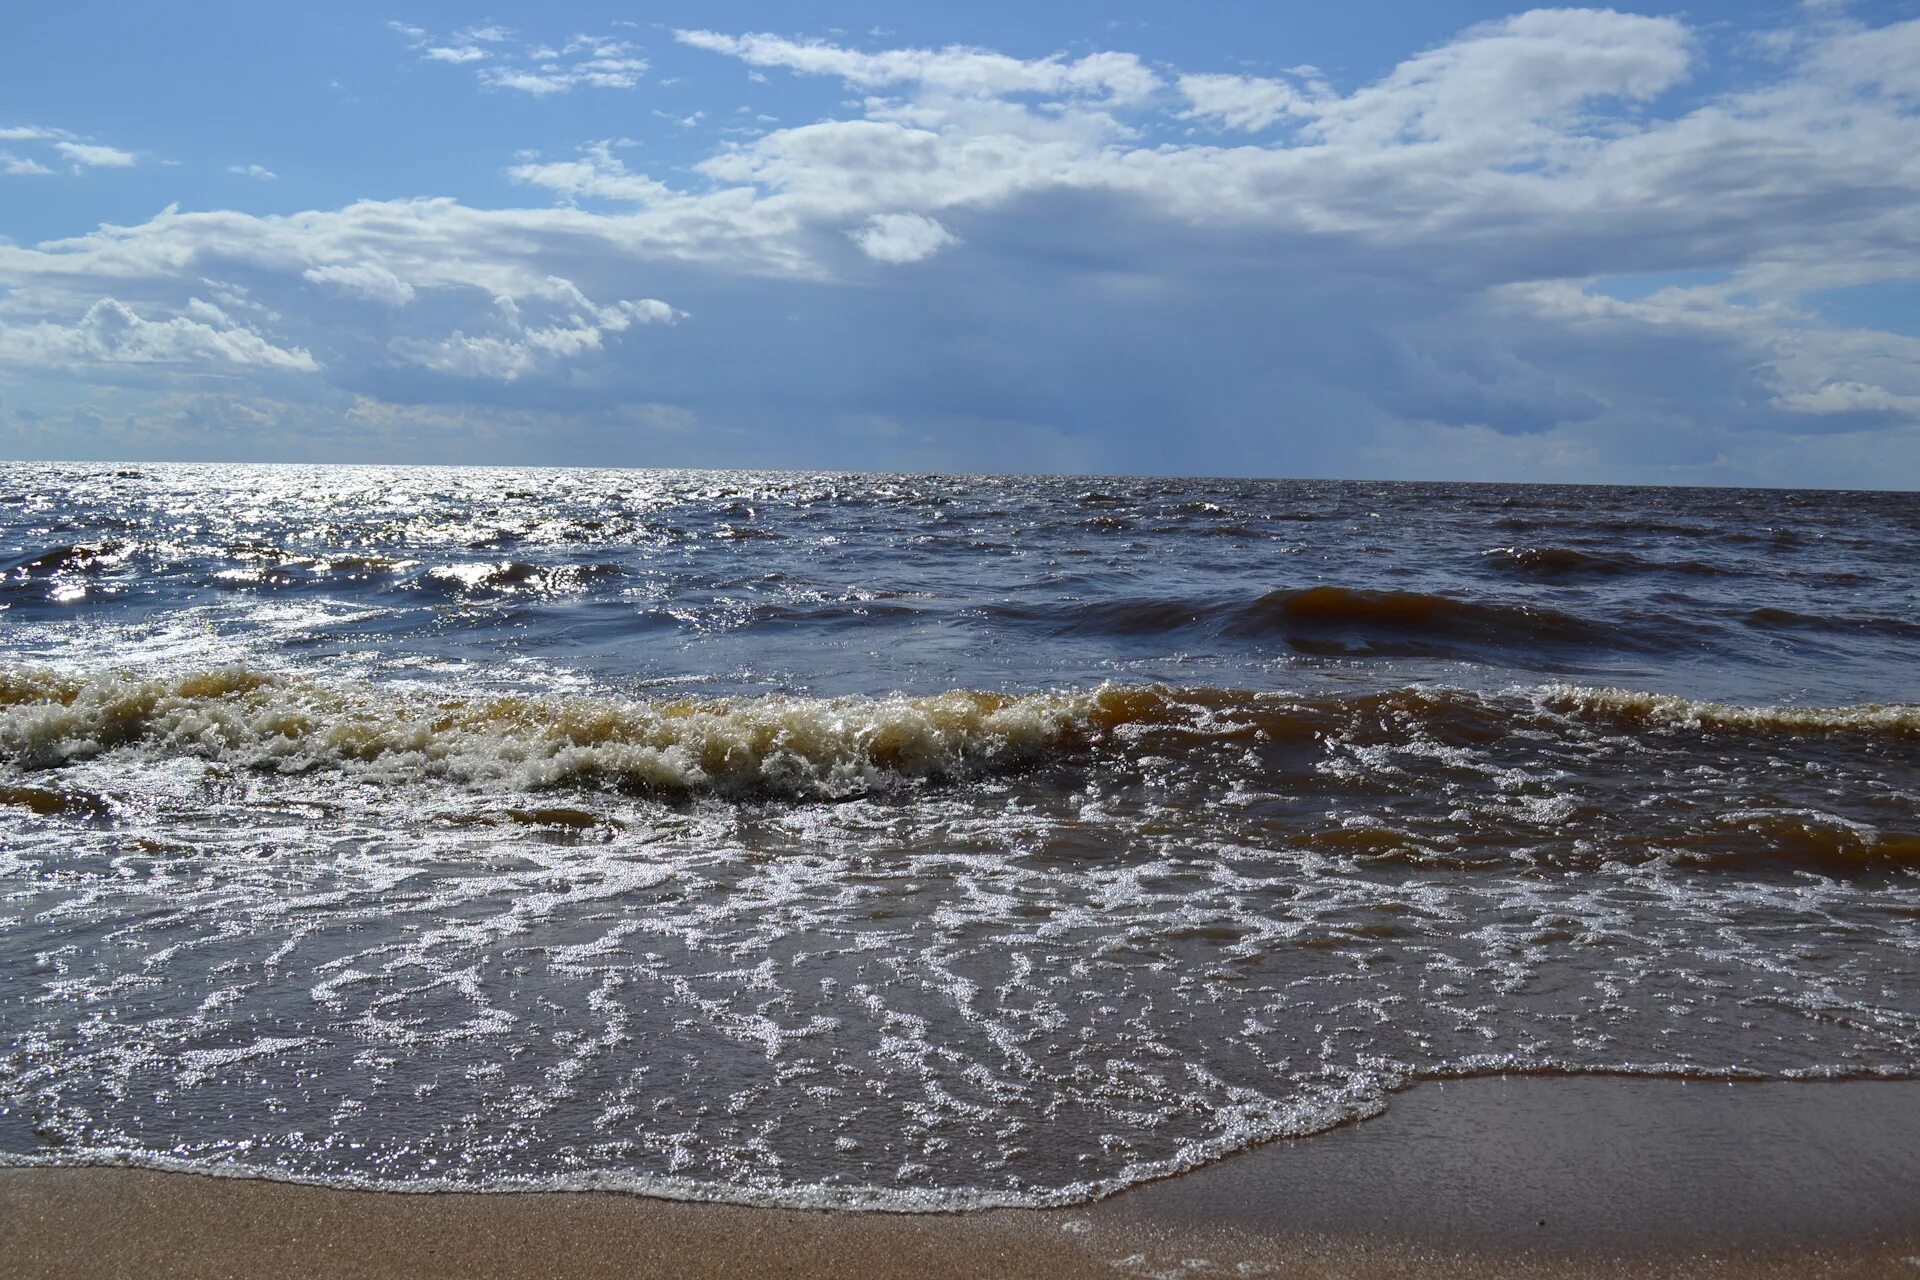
<point x="902" y="237"/>
<point x="256" y="171"/>
<point x="521" y="348"/>
<point x="110" y="332"/>
<point x="1242" y="102"/>
<point x="367" y="280"/>
<point x="597" y="174"/>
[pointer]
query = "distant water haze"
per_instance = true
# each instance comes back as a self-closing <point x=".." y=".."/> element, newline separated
<point x="922" y="841"/>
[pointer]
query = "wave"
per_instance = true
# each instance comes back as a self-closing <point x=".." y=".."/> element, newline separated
<point x="1800" y="840"/>
<point x="511" y="577"/>
<point x="857" y="607"/>
<point x="773" y="745"/>
<point x="260" y="564"/>
<point x="46" y="801"/>
<point x="1568" y="562"/>
<point x="780" y="745"/>
<point x="267" y="553"/>
<point x="1334" y="620"/>
<point x="1379" y="615"/>
<point x="1638" y="526"/>
<point x="1342" y="1100"/>
<point x="452" y="581"/>
<point x="1897" y="721"/>
<point x="66" y="558"/>
<point x="1771" y="618"/>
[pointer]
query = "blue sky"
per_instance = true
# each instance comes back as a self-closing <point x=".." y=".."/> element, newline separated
<point x="1386" y="239"/>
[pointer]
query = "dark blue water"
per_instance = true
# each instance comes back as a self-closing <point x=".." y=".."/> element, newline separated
<point x="919" y="840"/>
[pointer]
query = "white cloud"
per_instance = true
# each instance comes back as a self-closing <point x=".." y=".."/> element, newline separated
<point x="1121" y="77"/>
<point x="68" y="147"/>
<point x="95" y="156"/>
<point x="1242" y="102"/>
<point x="902" y="237"/>
<point x="592" y="63"/>
<point x="597" y="174"/>
<point x="1799" y="365"/>
<point x="1504" y="85"/>
<point x="519" y="349"/>
<point x="1883" y="58"/>
<point x="585" y="61"/>
<point x="367" y="280"/>
<point x="497" y="359"/>
<point x="1851" y="398"/>
<point x="210" y="313"/>
<point x="257" y="171"/>
<point x="111" y="332"/>
<point x="642" y="311"/>
<point x="1429" y="154"/>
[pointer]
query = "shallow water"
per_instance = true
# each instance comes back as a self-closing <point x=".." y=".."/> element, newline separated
<point x="921" y="841"/>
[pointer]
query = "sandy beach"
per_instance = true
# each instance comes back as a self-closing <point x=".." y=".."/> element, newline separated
<point x="1517" y="1176"/>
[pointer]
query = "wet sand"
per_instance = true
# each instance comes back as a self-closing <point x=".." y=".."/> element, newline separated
<point x="1582" y="1176"/>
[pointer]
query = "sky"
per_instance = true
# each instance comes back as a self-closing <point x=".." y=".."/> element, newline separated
<point x="1389" y="239"/>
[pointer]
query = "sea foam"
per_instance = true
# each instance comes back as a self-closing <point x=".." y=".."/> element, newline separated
<point x="773" y="744"/>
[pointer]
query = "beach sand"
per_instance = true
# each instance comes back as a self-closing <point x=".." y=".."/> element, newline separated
<point x="1514" y="1176"/>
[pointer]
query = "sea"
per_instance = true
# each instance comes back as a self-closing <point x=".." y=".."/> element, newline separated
<point x="922" y="842"/>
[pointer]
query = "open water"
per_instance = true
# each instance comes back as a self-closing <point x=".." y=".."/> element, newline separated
<point x="921" y="841"/>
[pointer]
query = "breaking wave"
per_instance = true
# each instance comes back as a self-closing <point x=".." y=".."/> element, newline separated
<point x="1667" y="711"/>
<point x="778" y="745"/>
<point x="781" y="745"/>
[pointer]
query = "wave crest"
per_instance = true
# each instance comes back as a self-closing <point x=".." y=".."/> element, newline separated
<point x="781" y="745"/>
<point x="1668" y="711"/>
<point x="805" y="746"/>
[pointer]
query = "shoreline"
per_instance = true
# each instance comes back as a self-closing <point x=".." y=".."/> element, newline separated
<point x="1486" y="1177"/>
